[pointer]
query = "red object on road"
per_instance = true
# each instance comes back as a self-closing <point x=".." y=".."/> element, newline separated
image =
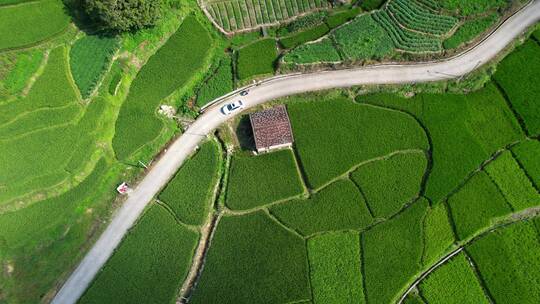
<point x="123" y="188"/>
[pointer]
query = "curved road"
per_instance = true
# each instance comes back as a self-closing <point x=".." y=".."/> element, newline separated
<point x="268" y="90"/>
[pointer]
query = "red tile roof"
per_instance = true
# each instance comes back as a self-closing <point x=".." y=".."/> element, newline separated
<point x="271" y="128"/>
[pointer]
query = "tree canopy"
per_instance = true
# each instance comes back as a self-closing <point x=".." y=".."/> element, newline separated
<point x="124" y="15"/>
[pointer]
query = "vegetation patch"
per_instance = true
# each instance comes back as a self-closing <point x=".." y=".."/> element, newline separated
<point x="335" y="270"/>
<point x="337" y="207"/>
<point x="467" y="7"/>
<point x="438" y="234"/>
<point x="89" y="58"/>
<point x="149" y="264"/>
<point x="17" y="78"/>
<point x="518" y="74"/>
<point x="526" y="153"/>
<point x="507" y="260"/>
<point x="190" y="192"/>
<point x="392" y="254"/>
<point x="253" y="260"/>
<point x="219" y="83"/>
<point x="48" y="17"/>
<point x="171" y="67"/>
<point x="44" y="239"/>
<point x="480" y="121"/>
<point x="363" y="130"/>
<point x="305" y="36"/>
<point x="257" y="58"/>
<point x="513" y="182"/>
<point x="320" y="51"/>
<point x="389" y="184"/>
<point x="470" y="30"/>
<point x="454" y="282"/>
<point x="258" y="180"/>
<point x="476" y="204"/>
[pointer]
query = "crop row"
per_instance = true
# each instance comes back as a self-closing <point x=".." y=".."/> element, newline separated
<point x="413" y="16"/>
<point x="404" y="39"/>
<point x="244" y="14"/>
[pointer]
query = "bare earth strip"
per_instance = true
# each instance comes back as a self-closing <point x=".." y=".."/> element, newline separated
<point x="265" y="91"/>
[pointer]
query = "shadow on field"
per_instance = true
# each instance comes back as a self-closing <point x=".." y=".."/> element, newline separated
<point x="244" y="133"/>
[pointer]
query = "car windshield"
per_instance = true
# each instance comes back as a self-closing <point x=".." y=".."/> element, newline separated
<point x="230" y="107"/>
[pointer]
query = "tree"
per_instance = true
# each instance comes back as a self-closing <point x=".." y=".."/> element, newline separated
<point x="124" y="15"/>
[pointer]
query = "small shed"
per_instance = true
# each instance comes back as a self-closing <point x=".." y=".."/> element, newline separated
<point x="271" y="129"/>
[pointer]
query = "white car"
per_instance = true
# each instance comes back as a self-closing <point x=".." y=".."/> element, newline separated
<point x="232" y="107"/>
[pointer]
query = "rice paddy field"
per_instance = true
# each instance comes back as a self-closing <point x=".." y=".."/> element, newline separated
<point x="376" y="189"/>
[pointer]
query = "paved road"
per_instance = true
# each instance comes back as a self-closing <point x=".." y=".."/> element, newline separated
<point x="165" y="168"/>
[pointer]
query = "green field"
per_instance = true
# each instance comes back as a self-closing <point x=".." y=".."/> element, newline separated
<point x="476" y="204"/>
<point x="438" y="234"/>
<point x="243" y="248"/>
<point x="481" y="121"/>
<point x="526" y="153"/>
<point x="151" y="275"/>
<point x="469" y="30"/>
<point x="174" y="65"/>
<point x="17" y="70"/>
<point x="337" y="207"/>
<point x="392" y="253"/>
<point x="89" y="58"/>
<point x="391" y="183"/>
<point x="259" y="180"/>
<point x="218" y="84"/>
<point x="517" y="76"/>
<point x="335" y="269"/>
<point x="454" y="282"/>
<point x="516" y="187"/>
<point x="507" y="260"/>
<point x="257" y="58"/>
<point x="48" y="17"/>
<point x="50" y="113"/>
<point x="190" y="192"/>
<point x="363" y="129"/>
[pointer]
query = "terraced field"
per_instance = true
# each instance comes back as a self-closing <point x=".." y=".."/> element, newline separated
<point x="238" y="15"/>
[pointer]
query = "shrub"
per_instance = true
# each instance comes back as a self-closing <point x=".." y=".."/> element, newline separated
<point x="438" y="234"/>
<point x="253" y="260"/>
<point x="219" y="84"/>
<point x="305" y="22"/>
<point x="258" y="180"/>
<point x="392" y="254"/>
<point x="150" y="275"/>
<point x="188" y="48"/>
<point x="453" y="282"/>
<point x="48" y="17"/>
<point x="124" y="15"/>
<point x="480" y="121"/>
<point x="337" y="207"/>
<point x="334" y="261"/>
<point x="526" y="153"/>
<point x="507" y="260"/>
<point x="518" y="76"/>
<point x="89" y="58"/>
<point x="371" y="4"/>
<point x="363" y="39"/>
<point x="476" y="204"/>
<point x="365" y="131"/>
<point x="320" y="51"/>
<point x="257" y="58"/>
<point x="305" y="36"/>
<point x="469" y="30"/>
<point x="389" y="184"/>
<point x="189" y="193"/>
<point x="513" y="182"/>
